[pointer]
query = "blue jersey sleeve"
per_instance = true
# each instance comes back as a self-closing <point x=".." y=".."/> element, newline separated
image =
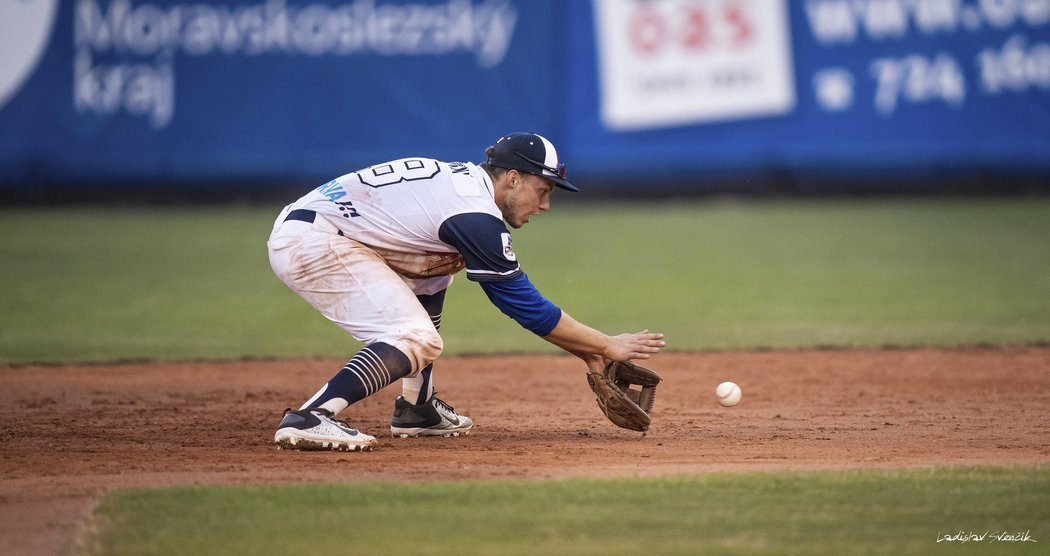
<point x="521" y="301"/>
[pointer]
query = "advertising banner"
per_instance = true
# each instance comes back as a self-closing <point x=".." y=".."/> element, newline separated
<point x="636" y="93"/>
<point x="185" y="90"/>
<point x="680" y="61"/>
<point x="706" y="90"/>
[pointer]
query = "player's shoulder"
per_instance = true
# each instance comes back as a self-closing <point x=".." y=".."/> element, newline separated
<point x="469" y="181"/>
<point x="469" y="191"/>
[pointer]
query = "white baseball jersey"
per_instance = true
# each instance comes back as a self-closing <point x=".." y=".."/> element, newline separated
<point x="428" y="218"/>
<point x="424" y="216"/>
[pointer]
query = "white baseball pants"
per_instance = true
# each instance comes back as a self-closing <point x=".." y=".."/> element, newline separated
<point x="353" y="287"/>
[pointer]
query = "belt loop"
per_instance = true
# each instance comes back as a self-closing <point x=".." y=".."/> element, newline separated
<point x="302" y="215"/>
<point x="309" y="216"/>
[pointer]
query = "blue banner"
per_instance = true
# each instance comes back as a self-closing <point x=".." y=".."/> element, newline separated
<point x="632" y="92"/>
<point x="268" y="89"/>
<point x="897" y="87"/>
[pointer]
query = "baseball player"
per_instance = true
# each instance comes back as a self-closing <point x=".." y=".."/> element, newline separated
<point x="374" y="251"/>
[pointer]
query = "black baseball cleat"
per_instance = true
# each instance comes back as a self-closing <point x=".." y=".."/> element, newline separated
<point x="431" y="418"/>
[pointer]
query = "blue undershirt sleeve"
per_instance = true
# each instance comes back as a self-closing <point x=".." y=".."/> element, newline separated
<point x="521" y="301"/>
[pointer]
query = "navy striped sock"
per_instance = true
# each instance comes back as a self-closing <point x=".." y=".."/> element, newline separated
<point x="366" y="373"/>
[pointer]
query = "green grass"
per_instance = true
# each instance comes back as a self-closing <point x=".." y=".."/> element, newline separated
<point x="97" y="284"/>
<point x="805" y="274"/>
<point x="836" y="513"/>
<point x="100" y="284"/>
<point x="86" y="283"/>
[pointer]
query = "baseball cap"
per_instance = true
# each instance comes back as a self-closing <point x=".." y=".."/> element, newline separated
<point x="530" y="153"/>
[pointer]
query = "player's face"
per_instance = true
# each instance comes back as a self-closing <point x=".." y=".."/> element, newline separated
<point x="531" y="196"/>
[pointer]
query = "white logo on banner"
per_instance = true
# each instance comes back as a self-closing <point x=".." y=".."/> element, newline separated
<point x="25" y="32"/>
<point x="126" y="51"/>
<point x="680" y="62"/>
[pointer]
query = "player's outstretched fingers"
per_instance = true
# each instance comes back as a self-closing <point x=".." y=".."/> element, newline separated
<point x="638" y="345"/>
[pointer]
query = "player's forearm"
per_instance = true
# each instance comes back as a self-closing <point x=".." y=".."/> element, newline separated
<point x="594" y="347"/>
<point x="578" y="338"/>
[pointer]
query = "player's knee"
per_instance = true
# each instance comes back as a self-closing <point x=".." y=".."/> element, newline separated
<point x="423" y="346"/>
<point x="431" y="345"/>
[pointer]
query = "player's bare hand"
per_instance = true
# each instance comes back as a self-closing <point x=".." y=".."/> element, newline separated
<point x="634" y="345"/>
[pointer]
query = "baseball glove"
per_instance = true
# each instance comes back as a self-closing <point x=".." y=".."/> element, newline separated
<point x="623" y="406"/>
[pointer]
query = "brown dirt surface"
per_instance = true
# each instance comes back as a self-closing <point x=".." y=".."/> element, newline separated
<point x="71" y="433"/>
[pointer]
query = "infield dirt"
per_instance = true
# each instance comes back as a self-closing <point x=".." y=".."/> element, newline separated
<point x="71" y="433"/>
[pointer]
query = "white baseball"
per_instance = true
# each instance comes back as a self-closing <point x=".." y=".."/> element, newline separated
<point x="728" y="394"/>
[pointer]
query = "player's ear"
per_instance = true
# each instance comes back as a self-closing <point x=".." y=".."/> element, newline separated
<point x="514" y="178"/>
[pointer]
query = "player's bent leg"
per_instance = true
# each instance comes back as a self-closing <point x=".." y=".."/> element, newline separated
<point x="418" y="411"/>
<point x="419" y="387"/>
<point x="433" y="417"/>
<point x="353" y="287"/>
<point x="347" y="282"/>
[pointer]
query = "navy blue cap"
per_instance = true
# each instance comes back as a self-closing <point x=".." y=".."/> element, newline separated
<point x="530" y="153"/>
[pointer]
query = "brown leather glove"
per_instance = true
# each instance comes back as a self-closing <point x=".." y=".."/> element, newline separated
<point x="625" y="407"/>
